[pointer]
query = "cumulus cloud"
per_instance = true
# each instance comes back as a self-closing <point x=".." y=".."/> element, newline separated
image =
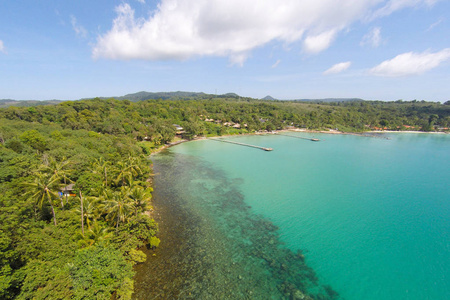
<point x="411" y="63"/>
<point x="337" y="68"/>
<point x="320" y="42"/>
<point x="182" y="29"/>
<point x="2" y="47"/>
<point x="372" y="38"/>
<point x="79" y="30"/>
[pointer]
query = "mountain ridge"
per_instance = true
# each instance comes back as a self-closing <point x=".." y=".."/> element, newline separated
<point x="178" y="95"/>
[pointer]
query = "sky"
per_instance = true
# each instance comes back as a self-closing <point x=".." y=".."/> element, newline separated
<point x="288" y="49"/>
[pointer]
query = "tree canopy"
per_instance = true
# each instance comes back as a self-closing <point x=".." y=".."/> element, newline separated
<point x="74" y="184"/>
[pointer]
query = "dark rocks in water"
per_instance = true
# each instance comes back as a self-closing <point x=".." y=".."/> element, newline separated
<point x="215" y="247"/>
<point x="332" y="294"/>
<point x="299" y="255"/>
<point x="298" y="295"/>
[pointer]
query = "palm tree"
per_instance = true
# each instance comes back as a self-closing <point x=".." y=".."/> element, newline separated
<point x="118" y="206"/>
<point x="133" y="166"/>
<point x="141" y="198"/>
<point x="89" y="210"/>
<point x="128" y="169"/>
<point x="100" y="166"/>
<point x="82" y="212"/>
<point x="123" y="172"/>
<point x="58" y="169"/>
<point x="132" y="183"/>
<point x="44" y="188"/>
<point x="96" y="234"/>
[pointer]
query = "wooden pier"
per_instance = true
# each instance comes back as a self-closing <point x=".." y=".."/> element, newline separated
<point x="299" y="137"/>
<point x="242" y="144"/>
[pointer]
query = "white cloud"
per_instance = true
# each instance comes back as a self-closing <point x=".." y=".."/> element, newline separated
<point x="372" y="38"/>
<point x="79" y="30"/>
<point x="2" y="47"/>
<point x="141" y="1"/>
<point x="435" y="24"/>
<point x="337" y="68"/>
<point x="411" y="63"/>
<point x="276" y="64"/>
<point x="318" y="43"/>
<point x="394" y="5"/>
<point x="182" y="29"/>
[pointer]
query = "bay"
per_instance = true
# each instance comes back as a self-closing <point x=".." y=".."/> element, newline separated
<point x="370" y="215"/>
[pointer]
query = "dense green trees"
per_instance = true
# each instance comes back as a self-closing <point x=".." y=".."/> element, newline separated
<point x="98" y="272"/>
<point x="43" y="189"/>
<point x="153" y="119"/>
<point x="99" y="146"/>
<point x="45" y="236"/>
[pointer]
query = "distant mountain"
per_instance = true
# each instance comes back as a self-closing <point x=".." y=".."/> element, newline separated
<point x="268" y="97"/>
<point x="228" y="95"/>
<point x="139" y="96"/>
<point x="325" y="100"/>
<point x="10" y="102"/>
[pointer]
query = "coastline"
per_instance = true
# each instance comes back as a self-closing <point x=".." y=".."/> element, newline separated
<point x="182" y="257"/>
<point x="331" y="131"/>
<point x="213" y="246"/>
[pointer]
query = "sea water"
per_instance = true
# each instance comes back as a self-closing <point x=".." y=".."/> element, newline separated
<point x="365" y="217"/>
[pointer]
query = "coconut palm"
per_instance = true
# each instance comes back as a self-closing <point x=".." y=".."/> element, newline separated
<point x="132" y="183"/>
<point x="95" y="235"/>
<point x="90" y="209"/>
<point x="118" y="206"/>
<point x="126" y="169"/>
<point x="44" y="189"/>
<point x="58" y="169"/>
<point x="100" y="166"/>
<point x="141" y="198"/>
<point x="133" y="166"/>
<point x="123" y="172"/>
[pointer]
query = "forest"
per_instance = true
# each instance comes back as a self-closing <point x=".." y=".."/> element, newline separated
<point x="75" y="178"/>
<point x="73" y="215"/>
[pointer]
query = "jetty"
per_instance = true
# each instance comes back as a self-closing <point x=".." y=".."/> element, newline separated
<point x="242" y="144"/>
<point x="299" y="137"/>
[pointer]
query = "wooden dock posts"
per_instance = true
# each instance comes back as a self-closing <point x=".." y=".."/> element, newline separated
<point x="242" y="144"/>
<point x="299" y="137"/>
<point x="259" y="147"/>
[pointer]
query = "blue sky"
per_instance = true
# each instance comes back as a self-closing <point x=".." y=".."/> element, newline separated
<point x="289" y="49"/>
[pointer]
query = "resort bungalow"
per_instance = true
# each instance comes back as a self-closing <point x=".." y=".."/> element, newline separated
<point x="68" y="191"/>
<point x="178" y="127"/>
<point x="180" y="130"/>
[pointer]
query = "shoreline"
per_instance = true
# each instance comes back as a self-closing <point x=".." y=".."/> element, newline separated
<point x="331" y="131"/>
<point x="167" y="256"/>
<point x="216" y="249"/>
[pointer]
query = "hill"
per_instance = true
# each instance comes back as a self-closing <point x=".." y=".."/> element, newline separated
<point x="179" y="95"/>
<point x="269" y="98"/>
<point x="328" y="100"/>
<point x="10" y="102"/>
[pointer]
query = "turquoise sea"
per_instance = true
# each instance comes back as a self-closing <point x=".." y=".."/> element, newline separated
<point x="364" y="217"/>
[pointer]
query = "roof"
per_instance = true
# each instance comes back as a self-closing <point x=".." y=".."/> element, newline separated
<point x="69" y="187"/>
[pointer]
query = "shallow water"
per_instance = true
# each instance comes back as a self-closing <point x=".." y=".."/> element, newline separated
<point x="370" y="215"/>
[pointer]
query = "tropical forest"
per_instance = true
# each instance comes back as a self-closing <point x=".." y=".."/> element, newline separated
<point x="76" y="177"/>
